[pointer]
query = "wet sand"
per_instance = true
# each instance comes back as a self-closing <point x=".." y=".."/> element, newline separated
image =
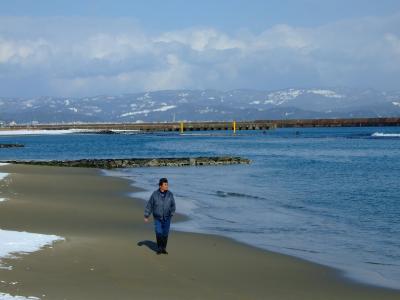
<point x="108" y="249"/>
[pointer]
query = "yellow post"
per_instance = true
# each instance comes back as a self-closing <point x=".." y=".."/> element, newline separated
<point x="181" y="127"/>
<point x="234" y="126"/>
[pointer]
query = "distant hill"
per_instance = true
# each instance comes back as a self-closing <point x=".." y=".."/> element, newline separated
<point x="204" y="105"/>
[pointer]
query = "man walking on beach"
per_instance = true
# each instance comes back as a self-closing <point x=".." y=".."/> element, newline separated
<point x="162" y="205"/>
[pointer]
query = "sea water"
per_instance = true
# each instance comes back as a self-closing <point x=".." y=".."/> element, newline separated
<point x="328" y="195"/>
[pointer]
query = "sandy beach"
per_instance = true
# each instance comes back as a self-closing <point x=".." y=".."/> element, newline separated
<point x="108" y="251"/>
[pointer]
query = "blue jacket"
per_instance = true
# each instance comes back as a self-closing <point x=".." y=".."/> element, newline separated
<point x="160" y="206"/>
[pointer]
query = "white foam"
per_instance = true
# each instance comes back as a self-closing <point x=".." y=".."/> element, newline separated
<point x="3" y="164"/>
<point x="381" y="134"/>
<point x="3" y="199"/>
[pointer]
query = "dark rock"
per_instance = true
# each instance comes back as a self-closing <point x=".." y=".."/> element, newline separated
<point x="11" y="145"/>
<point x="105" y="131"/>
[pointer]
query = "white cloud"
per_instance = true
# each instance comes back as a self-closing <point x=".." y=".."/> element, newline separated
<point x="113" y="47"/>
<point x="76" y="56"/>
<point x="201" y="39"/>
<point x="23" y="51"/>
<point x="283" y="36"/>
<point x="394" y="43"/>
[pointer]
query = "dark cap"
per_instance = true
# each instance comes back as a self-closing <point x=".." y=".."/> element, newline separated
<point x="162" y="180"/>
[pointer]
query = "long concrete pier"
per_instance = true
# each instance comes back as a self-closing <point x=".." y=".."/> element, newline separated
<point x="170" y="126"/>
<point x="353" y="122"/>
<point x="203" y="126"/>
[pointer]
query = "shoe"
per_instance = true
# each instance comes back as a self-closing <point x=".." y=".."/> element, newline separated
<point x="164" y="244"/>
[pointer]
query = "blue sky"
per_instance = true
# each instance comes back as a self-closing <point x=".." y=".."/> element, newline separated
<point x="73" y="48"/>
<point x="226" y="15"/>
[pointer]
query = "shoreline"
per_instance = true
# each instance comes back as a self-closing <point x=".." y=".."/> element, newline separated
<point x="342" y="274"/>
<point x="100" y="222"/>
<point x="352" y="273"/>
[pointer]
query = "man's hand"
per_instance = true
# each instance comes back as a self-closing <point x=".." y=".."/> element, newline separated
<point x="146" y="219"/>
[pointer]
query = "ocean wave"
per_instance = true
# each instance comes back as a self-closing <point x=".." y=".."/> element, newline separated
<point x="381" y="134"/>
<point x="358" y="136"/>
<point x="234" y="194"/>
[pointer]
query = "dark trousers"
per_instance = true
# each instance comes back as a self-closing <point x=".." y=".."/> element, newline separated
<point x="161" y="227"/>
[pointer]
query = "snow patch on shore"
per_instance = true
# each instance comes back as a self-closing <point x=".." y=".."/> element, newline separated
<point x="15" y="243"/>
<point x="41" y="131"/>
<point x="125" y="130"/>
<point x="59" y="131"/>
<point x="2" y="176"/>
<point x="9" y="297"/>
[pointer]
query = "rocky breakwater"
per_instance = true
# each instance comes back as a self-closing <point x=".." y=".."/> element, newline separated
<point x="11" y="145"/>
<point x="139" y="162"/>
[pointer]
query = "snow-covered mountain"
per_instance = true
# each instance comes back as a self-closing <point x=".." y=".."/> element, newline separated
<point x="204" y="105"/>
